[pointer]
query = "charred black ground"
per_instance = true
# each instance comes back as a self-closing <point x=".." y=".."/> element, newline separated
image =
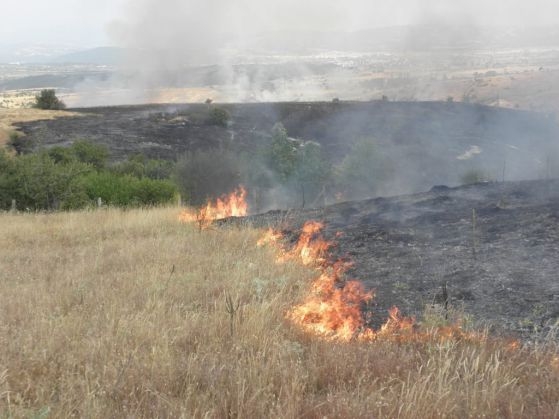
<point x="407" y="247"/>
<point x="425" y="143"/>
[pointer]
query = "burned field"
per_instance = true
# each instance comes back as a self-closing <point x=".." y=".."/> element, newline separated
<point x="424" y="143"/>
<point x="489" y="250"/>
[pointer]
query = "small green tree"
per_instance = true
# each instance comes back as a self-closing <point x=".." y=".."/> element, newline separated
<point x="47" y="100"/>
<point x="312" y="171"/>
<point x="219" y="117"/>
<point x="362" y="170"/>
<point x="283" y="153"/>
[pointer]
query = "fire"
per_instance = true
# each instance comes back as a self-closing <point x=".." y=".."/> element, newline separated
<point x="232" y="205"/>
<point x="333" y="308"/>
<point x="311" y="248"/>
<point x="270" y="236"/>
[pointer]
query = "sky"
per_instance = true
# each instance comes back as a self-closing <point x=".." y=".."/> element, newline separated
<point x="110" y="22"/>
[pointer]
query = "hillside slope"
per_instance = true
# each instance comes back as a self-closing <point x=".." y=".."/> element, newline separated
<point x="425" y="143"/>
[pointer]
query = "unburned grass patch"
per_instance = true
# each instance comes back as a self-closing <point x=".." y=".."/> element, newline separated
<point x="115" y="313"/>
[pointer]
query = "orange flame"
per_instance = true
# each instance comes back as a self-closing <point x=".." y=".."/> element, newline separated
<point x="232" y="205"/>
<point x="270" y="236"/>
<point x="333" y="309"/>
<point x="311" y="247"/>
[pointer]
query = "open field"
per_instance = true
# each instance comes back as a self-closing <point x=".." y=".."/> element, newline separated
<point x="506" y="76"/>
<point x="123" y="314"/>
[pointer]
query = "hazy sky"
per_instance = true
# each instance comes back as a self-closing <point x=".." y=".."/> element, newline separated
<point x="99" y="22"/>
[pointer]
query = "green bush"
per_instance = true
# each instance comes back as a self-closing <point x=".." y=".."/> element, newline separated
<point x="127" y="190"/>
<point x="58" y="180"/>
<point x="363" y="169"/>
<point x="140" y="166"/>
<point x="282" y="153"/>
<point x="312" y="171"/>
<point x="47" y="100"/>
<point x="219" y="117"/>
<point x="475" y="176"/>
<point x="87" y="152"/>
<point x="81" y="151"/>
<point x="36" y="182"/>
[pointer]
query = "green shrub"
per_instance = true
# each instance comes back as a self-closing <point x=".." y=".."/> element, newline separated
<point x="219" y="117"/>
<point x="47" y="100"/>
<point x="57" y="179"/>
<point x="475" y="176"/>
<point x="363" y="170"/>
<point x="81" y="151"/>
<point x="36" y="182"/>
<point x="153" y="192"/>
<point x="61" y="155"/>
<point x="312" y="171"/>
<point x="87" y="152"/>
<point x="282" y="153"/>
<point x="140" y="166"/>
<point x="127" y="190"/>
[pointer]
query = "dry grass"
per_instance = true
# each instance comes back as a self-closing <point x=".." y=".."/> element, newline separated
<point x="10" y="116"/>
<point x="95" y="322"/>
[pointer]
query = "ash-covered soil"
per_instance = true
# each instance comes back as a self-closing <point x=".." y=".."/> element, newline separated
<point x="407" y="247"/>
<point x="423" y="143"/>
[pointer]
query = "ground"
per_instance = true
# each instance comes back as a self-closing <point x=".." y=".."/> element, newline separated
<point x="9" y="117"/>
<point x="500" y="269"/>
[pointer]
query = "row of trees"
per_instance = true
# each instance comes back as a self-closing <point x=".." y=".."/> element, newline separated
<point x="75" y="177"/>
<point x="282" y="172"/>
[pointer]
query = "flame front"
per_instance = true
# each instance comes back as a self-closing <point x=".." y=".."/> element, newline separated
<point x="334" y="307"/>
<point x="232" y="205"/>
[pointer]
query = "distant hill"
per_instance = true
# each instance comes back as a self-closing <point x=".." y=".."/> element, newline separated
<point x="96" y="56"/>
<point x="413" y="38"/>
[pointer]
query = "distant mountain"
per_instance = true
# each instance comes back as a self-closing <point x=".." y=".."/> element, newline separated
<point x="32" y="53"/>
<point x="96" y="56"/>
<point x="413" y="38"/>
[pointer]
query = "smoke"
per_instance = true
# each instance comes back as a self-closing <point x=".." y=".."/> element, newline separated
<point x="272" y="50"/>
<point x="283" y="50"/>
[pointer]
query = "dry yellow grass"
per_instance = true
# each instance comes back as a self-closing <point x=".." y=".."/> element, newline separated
<point x="10" y="116"/>
<point x="95" y="322"/>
